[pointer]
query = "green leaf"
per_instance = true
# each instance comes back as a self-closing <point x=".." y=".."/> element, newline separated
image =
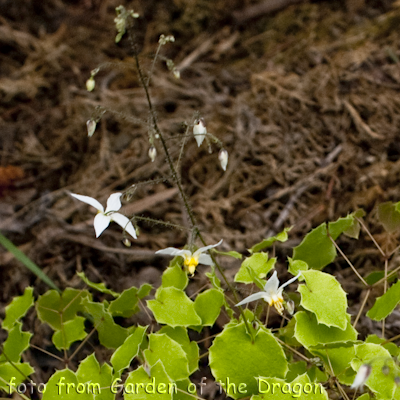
<point x="18" y="308"/>
<point x="389" y="216"/>
<point x="72" y="331"/>
<point x="183" y="388"/>
<point x="111" y="335"/>
<point x="172" y="307"/>
<point x="385" y="304"/>
<point x="354" y="230"/>
<point x="279" y="389"/>
<point x="380" y="382"/>
<point x="126" y="304"/>
<point x="64" y="385"/>
<point x="259" y="263"/>
<point x="55" y="309"/>
<point x="208" y="306"/>
<point x="175" y="276"/>
<point x="17" y="342"/>
<point x="180" y="335"/>
<point x="144" y="290"/>
<point x="324" y="296"/>
<point x="316" y="249"/>
<point x="100" y="287"/>
<point x="233" y="254"/>
<point x="234" y="359"/>
<point x="140" y="386"/>
<point x="295" y="266"/>
<point x="309" y="333"/>
<point x="338" y="356"/>
<point x="376" y="276"/>
<point x="217" y="285"/>
<point x="280" y="237"/>
<point x="365" y="396"/>
<point x="296" y="369"/>
<point x="390" y="347"/>
<point x="27" y="262"/>
<point x="14" y="373"/>
<point x="123" y="356"/>
<point x="170" y="353"/>
<point x="98" y="380"/>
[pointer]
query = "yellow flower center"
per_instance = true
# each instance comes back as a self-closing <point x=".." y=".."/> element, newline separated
<point x="277" y="302"/>
<point x="191" y="264"/>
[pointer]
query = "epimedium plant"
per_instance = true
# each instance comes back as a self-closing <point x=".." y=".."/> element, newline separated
<point x="316" y="353"/>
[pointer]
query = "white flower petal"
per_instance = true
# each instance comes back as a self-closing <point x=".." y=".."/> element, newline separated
<point x="205" y="259"/>
<point x="204" y="249"/>
<point x="101" y="222"/>
<point x="172" y="251"/>
<point x="124" y="223"/>
<point x="291" y="280"/>
<point x="252" y="297"/>
<point x="362" y="376"/>
<point x="89" y="200"/>
<point x="114" y="202"/>
<point x="271" y="287"/>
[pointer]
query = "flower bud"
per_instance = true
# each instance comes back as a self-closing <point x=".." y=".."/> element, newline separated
<point x="152" y="153"/>
<point x="199" y="131"/>
<point x="91" y="127"/>
<point x="290" y="306"/>
<point x="90" y="84"/>
<point x="127" y="242"/>
<point x="223" y="158"/>
<point x="176" y="73"/>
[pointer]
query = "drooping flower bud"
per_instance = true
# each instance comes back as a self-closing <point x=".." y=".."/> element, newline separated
<point x="290" y="306"/>
<point x="90" y="84"/>
<point x="127" y="242"/>
<point x="152" y="153"/>
<point x="223" y="158"/>
<point x="91" y="127"/>
<point x="199" y="131"/>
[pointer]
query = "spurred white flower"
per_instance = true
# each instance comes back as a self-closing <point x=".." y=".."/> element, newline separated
<point x="362" y="375"/>
<point x="104" y="217"/>
<point x="223" y="158"/>
<point x="199" y="131"/>
<point x="191" y="260"/>
<point x="272" y="293"/>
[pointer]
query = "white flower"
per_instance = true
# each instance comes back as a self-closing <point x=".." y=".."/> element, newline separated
<point x="191" y="260"/>
<point x="272" y="293"/>
<point x="362" y="376"/>
<point x="199" y="131"/>
<point x="103" y="218"/>
<point x="223" y="158"/>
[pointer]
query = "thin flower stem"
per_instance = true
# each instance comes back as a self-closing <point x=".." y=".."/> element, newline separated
<point x="175" y="176"/>
<point x="362" y="307"/>
<point x="389" y="276"/>
<point x="14" y="389"/>
<point x="294" y="351"/>
<point x="372" y="238"/>
<point x="47" y="352"/>
<point x="347" y="260"/>
<point x="145" y="310"/>
<point x="84" y="341"/>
